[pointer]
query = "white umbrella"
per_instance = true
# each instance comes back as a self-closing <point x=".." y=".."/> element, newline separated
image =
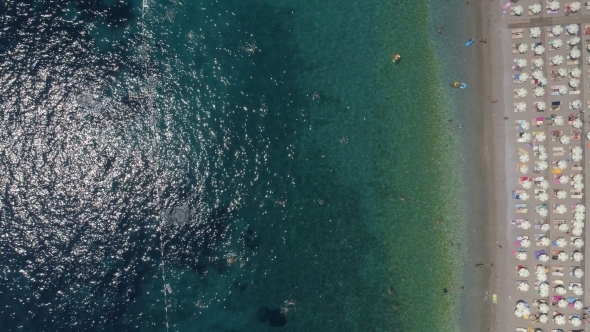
<point x="576" y="72"/>
<point x="578" y="272"/>
<point x="542" y="165"/>
<point x="578" y="256"/>
<point x="554" y="5"/>
<point x="538" y="92"/>
<point x="521" y="256"/>
<point x="562" y="256"/>
<point x="543" y="213"/>
<point x="578" y="223"/>
<point x="543" y="286"/>
<point x="557" y="30"/>
<point x="562" y="164"/>
<point x="543" y="307"/>
<point x="556" y="43"/>
<point x="521" y="63"/>
<point x="577" y="123"/>
<point x="525" y="243"/>
<point x="523" y="48"/>
<point x="577" y="231"/>
<point x="588" y="59"/>
<point x="563" y="227"/>
<point x="523" y="77"/>
<point x="525" y="125"/>
<point x="518" y="313"/>
<point x="543" y="156"/>
<point x="559" y="319"/>
<point x="535" y="32"/>
<point x="578" y="185"/>
<point x="575" y="6"/>
<point x="518" y="10"/>
<point x="543" y="258"/>
<point x="579" y="207"/>
<point x="544" y="184"/>
<point x="576" y="321"/>
<point x="565" y="140"/>
<point x="537" y="74"/>
<point x="561" y="194"/>
<point x="525" y="224"/>
<point x="543" y="293"/>
<point x="558" y="120"/>
<point x="561" y="242"/>
<point x="574" y="41"/>
<point x="524" y="169"/>
<point x="562" y="303"/>
<point x="536" y="8"/>
<point x="542" y="81"/>
<point x="577" y="149"/>
<point x="523" y="272"/>
<point x="575" y="53"/>
<point x="577" y="157"/>
<point x="523" y="286"/>
<point x="572" y="29"/>
<point x="540" y="137"/>
<point x="578" y="243"/>
<point x="539" y="49"/>
<point x="525" y="137"/>
<point x="542" y="276"/>
<point x="564" y="179"/>
<point x="578" y="290"/>
<point x="579" y="305"/>
<point x="524" y="196"/>
<point x="541" y="148"/>
<point x="579" y="216"/>
<point x="521" y="107"/>
<point x="543" y="197"/>
<point x="588" y="135"/>
<point x="522" y="92"/>
<point x="576" y="103"/>
<point x="561" y="71"/>
<point x="538" y="62"/>
<point x="560" y="290"/>
<point x="544" y="241"/>
<point x="561" y="209"/>
<point x="527" y="184"/>
<point x="562" y="90"/>
<point x="574" y="83"/>
<point x="520" y="304"/>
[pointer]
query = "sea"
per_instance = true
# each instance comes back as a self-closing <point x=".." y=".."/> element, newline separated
<point x="235" y="165"/>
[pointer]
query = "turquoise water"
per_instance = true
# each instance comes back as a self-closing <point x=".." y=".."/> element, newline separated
<point x="265" y="157"/>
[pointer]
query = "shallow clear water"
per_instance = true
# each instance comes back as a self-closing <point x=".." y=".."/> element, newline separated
<point x="265" y="159"/>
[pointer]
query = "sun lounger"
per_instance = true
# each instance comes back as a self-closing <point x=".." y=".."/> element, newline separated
<point x="587" y="26"/>
<point x="517" y="35"/>
<point x="574" y="92"/>
<point x="570" y="62"/>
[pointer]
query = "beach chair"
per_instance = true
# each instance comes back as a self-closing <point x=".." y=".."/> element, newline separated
<point x="587" y="4"/>
<point x="517" y="35"/>
<point x="574" y="92"/>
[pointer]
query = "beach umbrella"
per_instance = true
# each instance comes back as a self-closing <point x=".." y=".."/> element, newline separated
<point x="537" y="74"/>
<point x="574" y="83"/>
<point x="539" y="49"/>
<point x="554" y="5"/>
<point x="578" y="243"/>
<point x="558" y="120"/>
<point x="544" y="241"/>
<point x="520" y="304"/>
<point x="523" y="196"/>
<point x="521" y="63"/>
<point x="542" y="165"/>
<point x="521" y="256"/>
<point x="538" y="62"/>
<point x="561" y="194"/>
<point x="561" y="209"/>
<point x="578" y="256"/>
<point x="565" y="140"/>
<point x="542" y="81"/>
<point x="543" y="156"/>
<point x="564" y="179"/>
<point x="577" y="149"/>
<point x="536" y="8"/>
<point x="523" y="77"/>
<point x="562" y="256"/>
<point x="588" y="59"/>
<point x="540" y="137"/>
<point x="544" y="286"/>
<point x="545" y="227"/>
<point x="543" y="258"/>
<point x="521" y="107"/>
<point x="561" y="71"/>
<point x="543" y="213"/>
<point x="522" y="92"/>
<point x="557" y="30"/>
<point x="542" y="276"/>
<point x="576" y="103"/>
<point x="579" y="305"/>
<point x="575" y="6"/>
<point x="525" y="243"/>
<point x="562" y="90"/>
<point x="523" y="286"/>
<point x="527" y="184"/>
<point x="576" y="321"/>
<point x="561" y="242"/>
<point x="541" y="148"/>
<point x="543" y="307"/>
<point x="535" y="32"/>
<point x="578" y="290"/>
<point x="562" y="164"/>
<point x="562" y="303"/>
<point x="572" y="29"/>
<point x="577" y="231"/>
<point x="578" y="272"/>
<point x="525" y="224"/>
<point x="523" y="272"/>
<point x="563" y="227"/>
<point x="541" y="269"/>
<point x="538" y="92"/>
<point x="523" y="48"/>
<point x="574" y="41"/>
<point x="525" y="137"/>
<point x="579" y="216"/>
<point x="577" y="157"/>
<point x="577" y="185"/>
<point x="576" y="72"/>
<point x="575" y="53"/>
<point x="559" y="319"/>
<point x="524" y="169"/>
<point x="588" y="135"/>
<point x="556" y="43"/>
<point x="525" y="125"/>
<point x="579" y="207"/>
<point x="543" y="197"/>
<point x="518" y="10"/>
<point x="543" y="293"/>
<point x="577" y="123"/>
<point x="518" y="313"/>
<point x="578" y="223"/>
<point x="559" y="290"/>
